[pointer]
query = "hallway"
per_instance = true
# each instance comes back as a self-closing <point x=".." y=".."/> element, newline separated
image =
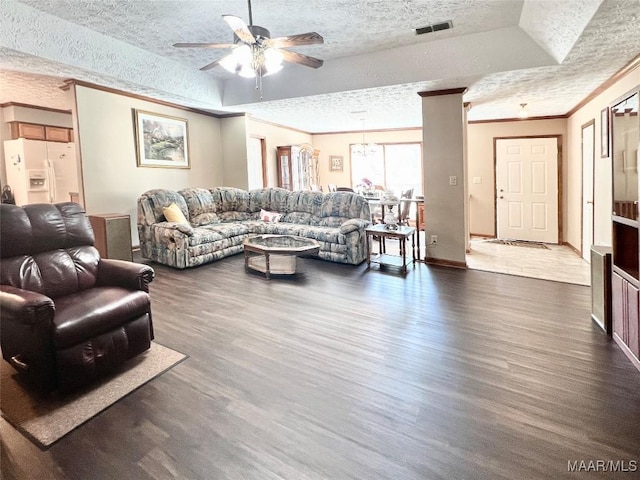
<point x="558" y="263"/>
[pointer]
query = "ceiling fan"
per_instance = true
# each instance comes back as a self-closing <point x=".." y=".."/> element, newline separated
<point x="254" y="53"/>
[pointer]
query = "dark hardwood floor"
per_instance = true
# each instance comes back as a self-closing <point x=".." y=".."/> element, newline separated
<point x="340" y="373"/>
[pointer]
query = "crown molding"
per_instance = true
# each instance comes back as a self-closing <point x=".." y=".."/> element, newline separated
<point x="34" y="107"/>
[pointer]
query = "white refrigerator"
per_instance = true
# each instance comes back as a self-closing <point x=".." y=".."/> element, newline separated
<point x="40" y="171"/>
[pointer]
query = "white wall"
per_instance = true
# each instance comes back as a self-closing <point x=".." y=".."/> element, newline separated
<point x="111" y="178"/>
<point x="602" y="194"/>
<point x="275" y="136"/>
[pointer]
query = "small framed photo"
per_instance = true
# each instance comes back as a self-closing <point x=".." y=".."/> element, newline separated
<point x="161" y="140"/>
<point x="336" y="163"/>
<point x="604" y="132"/>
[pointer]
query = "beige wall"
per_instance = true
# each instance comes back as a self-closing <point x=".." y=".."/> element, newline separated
<point x="482" y="164"/>
<point x="331" y="144"/>
<point x="602" y="166"/>
<point x="111" y="178"/>
<point x="275" y="136"/>
<point x="443" y="135"/>
<point x="234" y="152"/>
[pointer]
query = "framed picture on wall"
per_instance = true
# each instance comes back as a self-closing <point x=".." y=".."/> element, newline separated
<point x="336" y="163"/>
<point x="161" y="140"/>
<point x="604" y="132"/>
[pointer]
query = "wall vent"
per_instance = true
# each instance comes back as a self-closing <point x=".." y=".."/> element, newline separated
<point x="436" y="27"/>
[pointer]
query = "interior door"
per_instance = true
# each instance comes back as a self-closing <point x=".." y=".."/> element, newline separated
<point x="255" y="164"/>
<point x="587" y="188"/>
<point x="527" y="189"/>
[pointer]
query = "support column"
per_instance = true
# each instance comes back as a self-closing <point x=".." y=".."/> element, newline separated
<point x="444" y="167"/>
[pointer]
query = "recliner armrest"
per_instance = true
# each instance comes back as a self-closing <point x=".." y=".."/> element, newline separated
<point x="353" y="224"/>
<point x="25" y="306"/>
<point x="121" y="273"/>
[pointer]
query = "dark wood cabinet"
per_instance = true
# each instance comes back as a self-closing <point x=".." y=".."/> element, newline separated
<point x="625" y="275"/>
<point x="298" y="167"/>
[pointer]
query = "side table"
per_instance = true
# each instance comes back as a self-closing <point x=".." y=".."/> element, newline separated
<point x="402" y="233"/>
<point x="113" y="235"/>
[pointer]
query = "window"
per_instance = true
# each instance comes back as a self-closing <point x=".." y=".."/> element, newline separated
<point x="394" y="166"/>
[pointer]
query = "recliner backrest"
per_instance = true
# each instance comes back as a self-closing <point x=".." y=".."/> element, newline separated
<point x="47" y="248"/>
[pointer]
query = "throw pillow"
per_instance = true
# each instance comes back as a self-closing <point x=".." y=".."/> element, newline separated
<point x="270" y="217"/>
<point x="173" y="214"/>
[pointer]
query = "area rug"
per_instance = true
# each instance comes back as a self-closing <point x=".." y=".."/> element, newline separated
<point x="46" y="419"/>
<point x="519" y="243"/>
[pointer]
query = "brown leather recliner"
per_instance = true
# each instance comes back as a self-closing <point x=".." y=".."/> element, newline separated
<point x="67" y="315"/>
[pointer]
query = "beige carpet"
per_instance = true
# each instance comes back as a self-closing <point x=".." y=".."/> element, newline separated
<point x="46" y="419"/>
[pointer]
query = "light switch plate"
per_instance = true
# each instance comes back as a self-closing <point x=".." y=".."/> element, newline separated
<point x="453" y="180"/>
<point x="477" y="179"/>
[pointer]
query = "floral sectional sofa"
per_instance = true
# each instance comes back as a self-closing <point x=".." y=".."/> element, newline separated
<point x="221" y="218"/>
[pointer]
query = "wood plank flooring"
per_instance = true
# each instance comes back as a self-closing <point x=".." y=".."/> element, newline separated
<point x="343" y="373"/>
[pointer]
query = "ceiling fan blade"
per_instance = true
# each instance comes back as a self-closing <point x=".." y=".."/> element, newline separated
<point x="301" y="59"/>
<point x="217" y="62"/>
<point x="205" y="45"/>
<point x="309" y="38"/>
<point x="239" y="28"/>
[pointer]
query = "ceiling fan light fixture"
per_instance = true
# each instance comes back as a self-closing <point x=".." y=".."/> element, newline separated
<point x="229" y="63"/>
<point x="247" y="72"/>
<point x="243" y="54"/>
<point x="270" y="70"/>
<point x="273" y="57"/>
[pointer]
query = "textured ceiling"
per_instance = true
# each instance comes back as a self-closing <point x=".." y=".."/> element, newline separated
<point x="548" y="53"/>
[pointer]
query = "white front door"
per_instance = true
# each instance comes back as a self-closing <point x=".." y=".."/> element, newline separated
<point x="527" y="189"/>
<point x="587" y="190"/>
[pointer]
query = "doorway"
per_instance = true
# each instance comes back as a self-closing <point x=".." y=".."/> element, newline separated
<point x="588" y="158"/>
<point x="256" y="163"/>
<point x="527" y="189"/>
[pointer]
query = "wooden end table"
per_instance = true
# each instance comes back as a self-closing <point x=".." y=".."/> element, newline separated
<point x="402" y="233"/>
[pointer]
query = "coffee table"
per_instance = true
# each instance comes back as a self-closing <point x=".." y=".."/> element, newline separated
<point x="277" y="253"/>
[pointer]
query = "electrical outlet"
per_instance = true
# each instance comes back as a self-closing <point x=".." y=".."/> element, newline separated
<point x="453" y="180"/>
<point x="434" y="239"/>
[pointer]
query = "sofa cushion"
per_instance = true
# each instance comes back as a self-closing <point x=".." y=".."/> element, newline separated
<point x="216" y="232"/>
<point x="270" y="199"/>
<point x="227" y="199"/>
<point x="204" y="219"/>
<point x="95" y="311"/>
<point x="151" y="203"/>
<point x="338" y="207"/>
<point x="199" y="201"/>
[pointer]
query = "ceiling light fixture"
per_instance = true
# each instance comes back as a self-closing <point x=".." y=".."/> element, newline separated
<point x="524" y="112"/>
<point x="364" y="149"/>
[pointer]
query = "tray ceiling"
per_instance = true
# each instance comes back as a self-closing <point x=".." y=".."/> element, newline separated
<point x="549" y="54"/>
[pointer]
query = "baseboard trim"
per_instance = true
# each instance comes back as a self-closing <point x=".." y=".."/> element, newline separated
<point x="567" y="244"/>
<point x="445" y="263"/>
<point x="485" y="235"/>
